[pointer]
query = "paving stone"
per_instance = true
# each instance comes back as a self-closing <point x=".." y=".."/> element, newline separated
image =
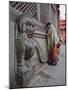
<point x="51" y="75"/>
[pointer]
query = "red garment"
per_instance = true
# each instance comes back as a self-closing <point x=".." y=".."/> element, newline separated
<point x="53" y="55"/>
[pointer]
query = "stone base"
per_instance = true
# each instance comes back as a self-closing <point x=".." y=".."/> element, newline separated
<point x="22" y="79"/>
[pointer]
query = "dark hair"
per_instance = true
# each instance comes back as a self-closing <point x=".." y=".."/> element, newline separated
<point x="49" y="23"/>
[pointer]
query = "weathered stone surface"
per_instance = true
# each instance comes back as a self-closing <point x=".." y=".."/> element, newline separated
<point x="22" y="79"/>
<point x="51" y="75"/>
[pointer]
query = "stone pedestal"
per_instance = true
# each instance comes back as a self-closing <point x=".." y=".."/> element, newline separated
<point x="22" y="79"/>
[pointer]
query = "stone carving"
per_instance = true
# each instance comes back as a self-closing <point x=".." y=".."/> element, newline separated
<point x="26" y="46"/>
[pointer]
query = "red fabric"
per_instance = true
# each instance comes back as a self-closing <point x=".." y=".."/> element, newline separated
<point x="53" y="54"/>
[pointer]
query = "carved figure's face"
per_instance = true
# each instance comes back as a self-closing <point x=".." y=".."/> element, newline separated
<point x="29" y="29"/>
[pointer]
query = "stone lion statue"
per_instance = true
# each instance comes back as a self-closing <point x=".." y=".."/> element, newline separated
<point x="26" y="47"/>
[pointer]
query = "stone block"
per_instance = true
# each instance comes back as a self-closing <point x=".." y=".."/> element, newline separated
<point x="23" y="79"/>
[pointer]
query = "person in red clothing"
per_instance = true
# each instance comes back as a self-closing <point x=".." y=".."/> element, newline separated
<point x="53" y="44"/>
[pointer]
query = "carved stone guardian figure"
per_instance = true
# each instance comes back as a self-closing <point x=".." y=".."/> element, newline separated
<point x="26" y="46"/>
